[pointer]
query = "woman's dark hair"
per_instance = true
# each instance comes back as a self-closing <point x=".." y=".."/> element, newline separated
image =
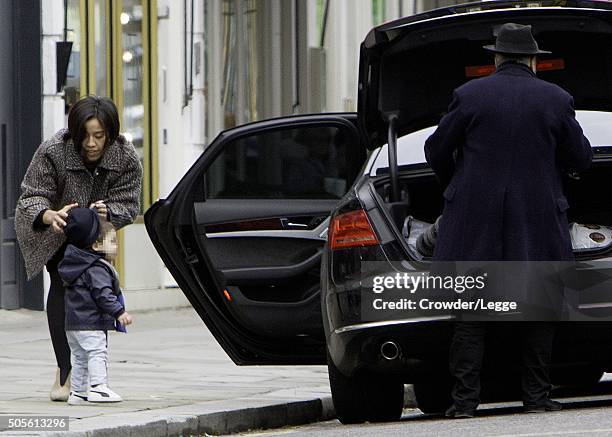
<point x="90" y="107"/>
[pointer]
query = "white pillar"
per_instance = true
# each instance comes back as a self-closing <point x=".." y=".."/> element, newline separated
<point x="347" y="25"/>
<point x="180" y="130"/>
<point x="53" y="118"/>
<point x="407" y="7"/>
<point x="392" y="9"/>
<point x="214" y="69"/>
<point x="52" y="17"/>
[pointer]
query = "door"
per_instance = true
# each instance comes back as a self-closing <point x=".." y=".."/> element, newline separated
<point x="244" y="230"/>
<point x="9" y="291"/>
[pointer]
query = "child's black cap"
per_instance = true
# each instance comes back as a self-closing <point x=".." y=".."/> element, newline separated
<point x="82" y="227"/>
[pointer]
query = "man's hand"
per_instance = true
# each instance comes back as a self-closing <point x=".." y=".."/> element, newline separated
<point x="101" y="208"/>
<point x="125" y="319"/>
<point x="57" y="219"/>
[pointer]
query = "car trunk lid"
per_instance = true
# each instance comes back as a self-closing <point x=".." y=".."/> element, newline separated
<point x="410" y="67"/>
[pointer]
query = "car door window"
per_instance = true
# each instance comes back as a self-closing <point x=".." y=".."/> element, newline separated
<point x="301" y="163"/>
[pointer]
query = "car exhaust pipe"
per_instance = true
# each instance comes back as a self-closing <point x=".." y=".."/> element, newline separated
<point x="390" y="350"/>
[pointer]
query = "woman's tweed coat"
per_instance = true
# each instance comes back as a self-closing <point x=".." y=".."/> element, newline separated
<point x="57" y="177"/>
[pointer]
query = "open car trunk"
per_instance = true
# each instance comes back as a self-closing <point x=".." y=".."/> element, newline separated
<point x="409" y="69"/>
<point x="590" y="199"/>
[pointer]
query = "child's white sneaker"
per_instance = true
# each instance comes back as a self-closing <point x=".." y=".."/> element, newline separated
<point x="77" y="398"/>
<point x="101" y="393"/>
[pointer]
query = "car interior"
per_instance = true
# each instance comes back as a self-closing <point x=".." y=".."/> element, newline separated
<point x="439" y="62"/>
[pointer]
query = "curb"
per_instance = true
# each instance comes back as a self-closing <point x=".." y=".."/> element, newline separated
<point x="217" y="418"/>
<point x="273" y="415"/>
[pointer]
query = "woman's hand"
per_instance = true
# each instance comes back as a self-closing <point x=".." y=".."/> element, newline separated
<point x="57" y="219"/>
<point x="101" y="208"/>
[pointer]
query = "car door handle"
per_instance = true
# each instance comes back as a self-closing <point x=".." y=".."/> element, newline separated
<point x="286" y="224"/>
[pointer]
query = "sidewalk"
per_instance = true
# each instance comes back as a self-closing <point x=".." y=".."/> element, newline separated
<point x="172" y="374"/>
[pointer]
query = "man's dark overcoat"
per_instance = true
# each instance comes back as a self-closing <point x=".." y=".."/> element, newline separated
<point x="514" y="136"/>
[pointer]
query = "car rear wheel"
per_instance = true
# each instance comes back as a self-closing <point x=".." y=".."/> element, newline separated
<point x="365" y="397"/>
<point x="433" y="396"/>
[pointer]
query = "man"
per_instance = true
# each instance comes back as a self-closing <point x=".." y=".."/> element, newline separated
<point x="500" y="152"/>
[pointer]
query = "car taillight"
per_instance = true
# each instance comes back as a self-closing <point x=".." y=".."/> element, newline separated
<point x="351" y="229"/>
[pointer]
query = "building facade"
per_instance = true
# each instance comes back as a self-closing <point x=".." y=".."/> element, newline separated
<point x="20" y="133"/>
<point x="180" y="72"/>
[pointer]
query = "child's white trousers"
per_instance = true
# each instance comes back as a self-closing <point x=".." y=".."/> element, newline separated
<point x="88" y="358"/>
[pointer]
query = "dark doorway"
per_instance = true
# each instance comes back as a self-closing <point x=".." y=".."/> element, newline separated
<point x="20" y="134"/>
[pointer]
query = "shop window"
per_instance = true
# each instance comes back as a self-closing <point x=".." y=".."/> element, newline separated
<point x="240" y="60"/>
<point x="132" y="73"/>
<point x="72" y="89"/>
<point x="101" y="48"/>
<point x="112" y="56"/>
<point x="378" y="11"/>
<point x="321" y="6"/>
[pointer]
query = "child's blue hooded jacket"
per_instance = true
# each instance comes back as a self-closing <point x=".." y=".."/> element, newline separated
<point x="92" y="291"/>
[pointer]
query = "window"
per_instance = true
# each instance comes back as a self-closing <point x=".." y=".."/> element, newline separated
<point x="240" y="74"/>
<point x="112" y="56"/>
<point x="378" y="11"/>
<point x="304" y="163"/>
<point x="132" y="73"/>
<point x="101" y="48"/>
<point x="72" y="89"/>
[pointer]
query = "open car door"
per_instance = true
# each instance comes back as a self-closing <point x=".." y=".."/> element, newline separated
<point x="243" y="232"/>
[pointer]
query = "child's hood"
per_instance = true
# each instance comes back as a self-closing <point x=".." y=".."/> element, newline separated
<point x="75" y="262"/>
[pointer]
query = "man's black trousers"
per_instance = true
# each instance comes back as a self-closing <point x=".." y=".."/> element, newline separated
<point x="466" y="354"/>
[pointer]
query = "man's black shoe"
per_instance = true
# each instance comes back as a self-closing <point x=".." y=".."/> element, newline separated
<point x="455" y="413"/>
<point x="547" y="405"/>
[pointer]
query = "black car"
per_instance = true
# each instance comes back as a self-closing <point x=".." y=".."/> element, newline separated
<point x="268" y="231"/>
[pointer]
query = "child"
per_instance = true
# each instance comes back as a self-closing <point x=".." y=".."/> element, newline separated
<point x="93" y="303"/>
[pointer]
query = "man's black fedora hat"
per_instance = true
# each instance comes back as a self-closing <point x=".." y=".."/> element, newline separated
<point x="515" y="39"/>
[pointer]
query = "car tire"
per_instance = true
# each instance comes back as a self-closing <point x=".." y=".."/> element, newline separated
<point x="433" y="396"/>
<point x="365" y="397"/>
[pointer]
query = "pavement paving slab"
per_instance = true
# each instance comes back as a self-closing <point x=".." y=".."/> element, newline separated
<point x="173" y="376"/>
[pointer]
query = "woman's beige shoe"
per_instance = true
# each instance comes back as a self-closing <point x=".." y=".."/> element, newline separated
<point x="59" y="392"/>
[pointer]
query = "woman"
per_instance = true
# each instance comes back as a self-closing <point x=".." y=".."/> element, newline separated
<point x="88" y="164"/>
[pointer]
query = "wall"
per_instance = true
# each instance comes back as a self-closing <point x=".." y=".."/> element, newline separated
<point x="348" y="23"/>
<point x="289" y="81"/>
<point x="181" y="128"/>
